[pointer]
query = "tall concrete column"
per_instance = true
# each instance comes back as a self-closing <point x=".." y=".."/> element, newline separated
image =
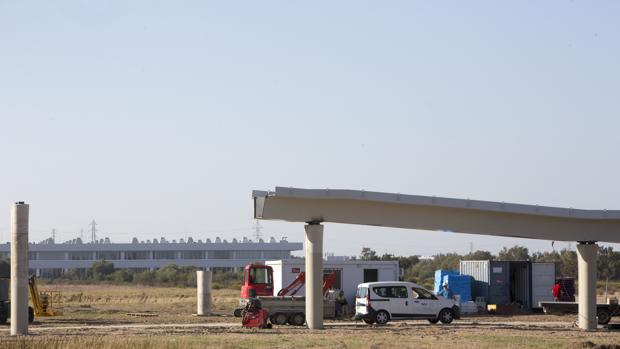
<point x="314" y="276"/>
<point x="19" y="269"/>
<point x="203" y="292"/>
<point x="586" y="259"/>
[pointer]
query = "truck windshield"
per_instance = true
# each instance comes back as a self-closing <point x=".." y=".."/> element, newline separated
<point x="362" y="292"/>
<point x="260" y="276"/>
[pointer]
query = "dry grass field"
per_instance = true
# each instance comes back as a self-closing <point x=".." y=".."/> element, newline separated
<point x="97" y="317"/>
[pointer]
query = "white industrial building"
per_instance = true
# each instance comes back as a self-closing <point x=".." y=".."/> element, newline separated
<point x="49" y="259"/>
<point x="349" y="273"/>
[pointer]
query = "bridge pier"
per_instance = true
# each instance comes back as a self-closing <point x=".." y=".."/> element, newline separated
<point x="19" y="268"/>
<point x="587" y="252"/>
<point x="314" y="275"/>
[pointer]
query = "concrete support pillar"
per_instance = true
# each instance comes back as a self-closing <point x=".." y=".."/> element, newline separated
<point x="203" y="292"/>
<point x="314" y="276"/>
<point x="19" y="269"/>
<point x="586" y="258"/>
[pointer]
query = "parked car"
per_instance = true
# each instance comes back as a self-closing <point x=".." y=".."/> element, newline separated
<point x="380" y="302"/>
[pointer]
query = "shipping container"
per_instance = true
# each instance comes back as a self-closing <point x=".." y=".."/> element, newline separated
<point x="479" y="270"/>
<point x="505" y="282"/>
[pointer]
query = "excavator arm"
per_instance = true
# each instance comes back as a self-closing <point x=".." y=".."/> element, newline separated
<point x="300" y="280"/>
<point x="294" y="286"/>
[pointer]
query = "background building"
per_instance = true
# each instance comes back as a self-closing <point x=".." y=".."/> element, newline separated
<point x="49" y="259"/>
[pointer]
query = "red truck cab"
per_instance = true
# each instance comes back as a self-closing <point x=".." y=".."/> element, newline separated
<point x="257" y="281"/>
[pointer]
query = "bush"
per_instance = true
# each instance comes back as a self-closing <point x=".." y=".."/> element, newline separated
<point x="122" y="275"/>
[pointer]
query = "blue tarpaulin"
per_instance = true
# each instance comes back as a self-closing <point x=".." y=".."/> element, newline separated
<point x="439" y="275"/>
<point x="459" y="284"/>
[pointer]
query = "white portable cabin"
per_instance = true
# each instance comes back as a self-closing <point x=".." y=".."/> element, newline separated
<point x="349" y="274"/>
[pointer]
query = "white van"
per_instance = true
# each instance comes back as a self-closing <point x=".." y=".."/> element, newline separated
<point x="381" y="302"/>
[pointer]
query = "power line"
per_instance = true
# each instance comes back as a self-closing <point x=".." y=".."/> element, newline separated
<point x="93" y="231"/>
<point x="257" y="231"/>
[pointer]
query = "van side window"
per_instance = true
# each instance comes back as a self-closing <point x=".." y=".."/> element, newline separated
<point x="391" y="291"/>
<point x="420" y="293"/>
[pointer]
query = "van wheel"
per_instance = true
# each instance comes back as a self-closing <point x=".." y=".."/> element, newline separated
<point x="382" y="317"/>
<point x="446" y="316"/>
<point x="603" y="316"/>
<point x="369" y="321"/>
<point x="433" y="321"/>
<point x="278" y="319"/>
<point x="297" y="319"/>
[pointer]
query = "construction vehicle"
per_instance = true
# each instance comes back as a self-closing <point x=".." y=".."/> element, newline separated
<point x="286" y="307"/>
<point x="42" y="302"/>
<point x="254" y="315"/>
<point x="5" y="304"/>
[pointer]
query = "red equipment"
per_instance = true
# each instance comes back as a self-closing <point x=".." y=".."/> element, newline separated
<point x="254" y="315"/>
<point x="257" y="281"/>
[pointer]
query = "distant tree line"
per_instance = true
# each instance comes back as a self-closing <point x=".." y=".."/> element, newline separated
<point x="103" y="271"/>
<point x="423" y="270"/>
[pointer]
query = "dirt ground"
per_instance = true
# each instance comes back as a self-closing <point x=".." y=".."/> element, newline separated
<point x="97" y="316"/>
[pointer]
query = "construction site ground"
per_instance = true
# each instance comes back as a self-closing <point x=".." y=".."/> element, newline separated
<point x="108" y="316"/>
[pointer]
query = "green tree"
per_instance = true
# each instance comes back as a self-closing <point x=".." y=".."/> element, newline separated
<point x="122" y="275"/>
<point x="478" y="256"/>
<point x="608" y="264"/>
<point x="546" y="256"/>
<point x="568" y="263"/>
<point x="145" y="278"/>
<point x="368" y="254"/>
<point x="102" y="269"/>
<point x="515" y="253"/>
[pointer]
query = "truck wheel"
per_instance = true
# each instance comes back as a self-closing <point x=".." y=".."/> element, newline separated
<point x="238" y="312"/>
<point x="369" y="321"/>
<point x="446" y="316"/>
<point x="382" y="317"/>
<point x="278" y="319"/>
<point x="297" y="319"/>
<point x="30" y="315"/>
<point x="433" y="321"/>
<point x="603" y="316"/>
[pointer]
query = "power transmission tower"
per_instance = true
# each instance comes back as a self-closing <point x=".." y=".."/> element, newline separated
<point x="257" y="231"/>
<point x="93" y="230"/>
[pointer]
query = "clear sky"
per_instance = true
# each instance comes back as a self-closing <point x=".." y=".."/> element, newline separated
<point x="159" y="118"/>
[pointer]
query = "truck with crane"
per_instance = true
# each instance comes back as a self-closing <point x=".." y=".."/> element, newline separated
<point x="285" y="307"/>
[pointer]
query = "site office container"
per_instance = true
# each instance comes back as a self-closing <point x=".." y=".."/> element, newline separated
<point x="505" y="282"/>
<point x="349" y="274"/>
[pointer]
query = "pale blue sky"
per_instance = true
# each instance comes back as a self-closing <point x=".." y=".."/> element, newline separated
<point x="159" y="118"/>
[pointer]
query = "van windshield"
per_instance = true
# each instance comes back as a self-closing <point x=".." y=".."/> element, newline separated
<point x="362" y="292"/>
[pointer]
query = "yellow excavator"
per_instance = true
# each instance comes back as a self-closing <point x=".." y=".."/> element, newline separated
<point x="42" y="302"/>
